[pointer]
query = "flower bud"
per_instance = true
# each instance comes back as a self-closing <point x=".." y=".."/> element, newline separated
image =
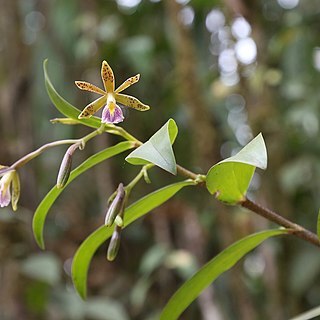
<point x="116" y="207"/>
<point x="15" y="188"/>
<point x="114" y="244"/>
<point x="65" y="167"/>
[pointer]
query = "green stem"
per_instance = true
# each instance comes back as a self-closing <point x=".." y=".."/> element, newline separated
<point x="137" y="178"/>
<point x="21" y="162"/>
<point x="125" y="134"/>
<point x="93" y="134"/>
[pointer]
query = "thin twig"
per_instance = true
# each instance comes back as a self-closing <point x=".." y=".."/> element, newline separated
<point x="186" y="173"/>
<point x="298" y="230"/>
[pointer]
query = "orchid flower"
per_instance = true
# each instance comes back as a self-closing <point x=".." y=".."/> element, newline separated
<point x="111" y="113"/>
<point x="9" y="188"/>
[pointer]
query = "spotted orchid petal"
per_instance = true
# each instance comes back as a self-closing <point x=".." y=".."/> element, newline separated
<point x="93" y="107"/>
<point x="131" y="102"/>
<point x="112" y="114"/>
<point x="87" y="86"/>
<point x="107" y="77"/>
<point x="129" y="82"/>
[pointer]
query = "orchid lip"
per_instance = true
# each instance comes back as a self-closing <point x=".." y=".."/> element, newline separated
<point x="109" y="116"/>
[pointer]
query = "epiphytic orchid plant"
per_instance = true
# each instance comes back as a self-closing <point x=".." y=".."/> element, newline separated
<point x="227" y="180"/>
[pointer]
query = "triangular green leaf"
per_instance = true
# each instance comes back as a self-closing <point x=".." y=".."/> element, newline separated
<point x="225" y="260"/>
<point x="158" y="149"/>
<point x="85" y="252"/>
<point x="230" y="178"/>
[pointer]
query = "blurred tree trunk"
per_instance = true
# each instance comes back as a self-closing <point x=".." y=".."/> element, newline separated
<point x="261" y="107"/>
<point x="206" y="151"/>
<point x="204" y="141"/>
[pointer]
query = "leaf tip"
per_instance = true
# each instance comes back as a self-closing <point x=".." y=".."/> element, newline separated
<point x="45" y="62"/>
<point x="40" y="243"/>
<point x="82" y="293"/>
<point x="264" y="156"/>
<point x="174" y="170"/>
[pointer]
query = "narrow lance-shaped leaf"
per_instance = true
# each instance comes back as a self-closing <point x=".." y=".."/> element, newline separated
<point x="158" y="149"/>
<point x="85" y="252"/>
<point x="229" y="179"/>
<point x="43" y="208"/>
<point x="64" y="106"/>
<point x="191" y="289"/>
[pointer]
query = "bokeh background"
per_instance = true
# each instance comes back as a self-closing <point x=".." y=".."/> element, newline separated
<point x="225" y="71"/>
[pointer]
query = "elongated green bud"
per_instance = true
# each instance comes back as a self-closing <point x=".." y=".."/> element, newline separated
<point x="65" y="167"/>
<point x="116" y="206"/>
<point x="15" y="190"/>
<point x="114" y="244"/>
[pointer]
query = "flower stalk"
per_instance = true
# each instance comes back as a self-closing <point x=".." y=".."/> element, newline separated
<point x="30" y="156"/>
<point x="138" y="177"/>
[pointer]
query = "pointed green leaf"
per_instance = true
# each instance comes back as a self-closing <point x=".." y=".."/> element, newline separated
<point x="230" y="178"/>
<point x="225" y="260"/>
<point x="85" y="252"/>
<point x="43" y="208"/>
<point x="158" y="149"/>
<point x="64" y="106"/>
